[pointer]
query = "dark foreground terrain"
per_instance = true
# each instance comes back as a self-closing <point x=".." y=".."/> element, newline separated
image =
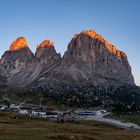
<point x="30" y="129"/>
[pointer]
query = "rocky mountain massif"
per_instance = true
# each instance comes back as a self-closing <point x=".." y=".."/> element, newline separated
<point x="90" y="65"/>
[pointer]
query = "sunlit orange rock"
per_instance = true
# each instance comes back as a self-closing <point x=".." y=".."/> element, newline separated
<point x="46" y="43"/>
<point x="19" y="43"/>
<point x="46" y="53"/>
<point x="89" y="60"/>
<point x="75" y="35"/>
<point x="95" y="36"/>
<point x="90" y="57"/>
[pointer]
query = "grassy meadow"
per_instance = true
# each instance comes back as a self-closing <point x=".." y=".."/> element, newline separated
<point x="25" y="128"/>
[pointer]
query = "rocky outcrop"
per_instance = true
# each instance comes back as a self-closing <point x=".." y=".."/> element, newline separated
<point x="19" y="64"/>
<point x="18" y="57"/>
<point x="26" y="76"/>
<point x="46" y="53"/>
<point x="90" y="57"/>
<point x="18" y="44"/>
<point x="92" y="72"/>
<point x="3" y="77"/>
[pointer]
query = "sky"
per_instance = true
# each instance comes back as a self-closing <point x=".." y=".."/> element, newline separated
<point x="118" y="21"/>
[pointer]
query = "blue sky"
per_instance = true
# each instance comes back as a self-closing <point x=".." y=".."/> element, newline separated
<point x="117" y="21"/>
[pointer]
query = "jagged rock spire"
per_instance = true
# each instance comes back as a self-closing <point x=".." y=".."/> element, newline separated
<point x="46" y="52"/>
<point x="46" y="43"/>
<point x="93" y="35"/>
<point x="18" y="44"/>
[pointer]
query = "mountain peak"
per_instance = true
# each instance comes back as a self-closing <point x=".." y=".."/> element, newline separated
<point x="89" y="58"/>
<point x="46" y="53"/>
<point x="46" y="43"/>
<point x="92" y="34"/>
<point x="18" y="44"/>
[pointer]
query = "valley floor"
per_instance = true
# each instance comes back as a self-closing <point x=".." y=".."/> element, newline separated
<point x="30" y="129"/>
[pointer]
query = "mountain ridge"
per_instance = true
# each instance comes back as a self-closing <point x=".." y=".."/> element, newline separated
<point x="92" y="72"/>
<point x="89" y="57"/>
<point x="88" y="32"/>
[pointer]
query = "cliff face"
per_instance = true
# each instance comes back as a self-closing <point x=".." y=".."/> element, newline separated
<point x="20" y="64"/>
<point x="46" y="53"/>
<point x="3" y="77"/>
<point x="89" y="59"/>
<point x="18" y="57"/>
<point x="92" y="72"/>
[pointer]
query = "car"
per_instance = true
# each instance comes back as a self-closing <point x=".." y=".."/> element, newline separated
<point x="3" y="107"/>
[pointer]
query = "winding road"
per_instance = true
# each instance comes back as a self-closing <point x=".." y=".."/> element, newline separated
<point x="118" y="123"/>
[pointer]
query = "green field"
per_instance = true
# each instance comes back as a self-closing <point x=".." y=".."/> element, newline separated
<point x="31" y="129"/>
